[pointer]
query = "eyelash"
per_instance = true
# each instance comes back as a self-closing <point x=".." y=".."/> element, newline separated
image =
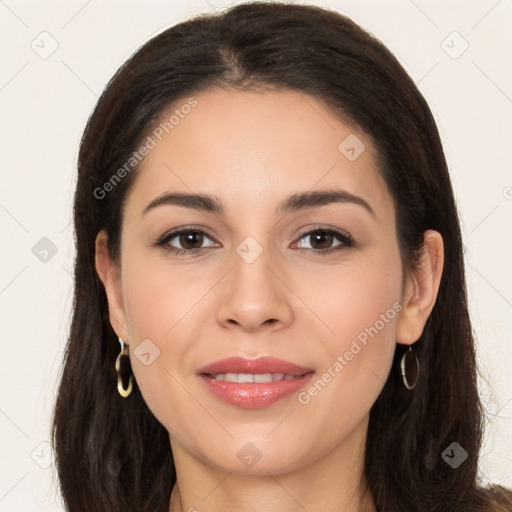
<point x="345" y="238"/>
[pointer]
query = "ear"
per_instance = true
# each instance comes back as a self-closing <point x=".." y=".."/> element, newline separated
<point x="421" y="289"/>
<point x="110" y="275"/>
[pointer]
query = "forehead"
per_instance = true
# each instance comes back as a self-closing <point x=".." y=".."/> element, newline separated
<point x="247" y="146"/>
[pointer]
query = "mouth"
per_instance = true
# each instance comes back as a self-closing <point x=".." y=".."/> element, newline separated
<point x="254" y="383"/>
<point x="250" y="377"/>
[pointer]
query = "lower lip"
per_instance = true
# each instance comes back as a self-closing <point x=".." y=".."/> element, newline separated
<point x="255" y="395"/>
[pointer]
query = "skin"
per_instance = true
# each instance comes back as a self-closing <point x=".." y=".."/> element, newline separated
<point x="251" y="150"/>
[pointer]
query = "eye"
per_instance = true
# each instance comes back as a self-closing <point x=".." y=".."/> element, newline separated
<point x="190" y="240"/>
<point x="321" y="240"/>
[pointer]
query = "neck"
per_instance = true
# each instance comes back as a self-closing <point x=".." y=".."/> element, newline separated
<point x="330" y="483"/>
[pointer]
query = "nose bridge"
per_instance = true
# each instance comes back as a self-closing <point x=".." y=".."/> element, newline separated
<point x="252" y="280"/>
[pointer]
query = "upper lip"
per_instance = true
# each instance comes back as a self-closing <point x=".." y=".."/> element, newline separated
<point x="262" y="364"/>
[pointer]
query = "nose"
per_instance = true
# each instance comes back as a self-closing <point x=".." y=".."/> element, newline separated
<point x="255" y="296"/>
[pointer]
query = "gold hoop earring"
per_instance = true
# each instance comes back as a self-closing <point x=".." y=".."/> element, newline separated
<point x="409" y="364"/>
<point x="120" y="388"/>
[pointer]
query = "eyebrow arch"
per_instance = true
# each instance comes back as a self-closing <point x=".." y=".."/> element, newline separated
<point x="295" y="202"/>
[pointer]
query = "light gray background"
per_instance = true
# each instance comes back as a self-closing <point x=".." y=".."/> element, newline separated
<point x="45" y="102"/>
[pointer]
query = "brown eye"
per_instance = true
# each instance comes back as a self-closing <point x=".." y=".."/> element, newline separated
<point x="185" y="241"/>
<point x="321" y="240"/>
<point x="191" y="239"/>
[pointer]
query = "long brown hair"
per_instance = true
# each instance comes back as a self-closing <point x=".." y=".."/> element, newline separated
<point x="112" y="453"/>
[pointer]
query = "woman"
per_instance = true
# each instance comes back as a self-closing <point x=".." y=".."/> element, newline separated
<point x="270" y="305"/>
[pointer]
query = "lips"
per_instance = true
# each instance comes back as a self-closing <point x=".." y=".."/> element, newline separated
<point x="254" y="383"/>
<point x="260" y="365"/>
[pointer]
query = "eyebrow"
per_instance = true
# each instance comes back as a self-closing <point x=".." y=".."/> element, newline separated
<point x="293" y="203"/>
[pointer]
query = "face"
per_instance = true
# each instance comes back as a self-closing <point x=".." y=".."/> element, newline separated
<point x="313" y="281"/>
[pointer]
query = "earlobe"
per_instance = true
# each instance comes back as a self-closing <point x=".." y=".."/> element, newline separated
<point x="109" y="274"/>
<point x="421" y="290"/>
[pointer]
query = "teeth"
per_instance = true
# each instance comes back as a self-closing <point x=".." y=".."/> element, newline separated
<point x="249" y="377"/>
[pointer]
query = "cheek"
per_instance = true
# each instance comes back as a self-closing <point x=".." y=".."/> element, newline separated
<point x="363" y="298"/>
<point x="360" y="306"/>
<point x="162" y="306"/>
<point x="367" y="305"/>
<point x="158" y="297"/>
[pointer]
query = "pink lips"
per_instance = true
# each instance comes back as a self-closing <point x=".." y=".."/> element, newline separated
<point x="254" y="395"/>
